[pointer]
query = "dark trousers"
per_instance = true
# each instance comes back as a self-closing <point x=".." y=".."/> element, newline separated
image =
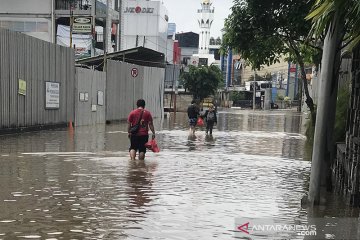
<point x="209" y="126"/>
<point x="137" y="143"/>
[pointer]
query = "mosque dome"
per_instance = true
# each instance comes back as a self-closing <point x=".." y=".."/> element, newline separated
<point x="206" y="2"/>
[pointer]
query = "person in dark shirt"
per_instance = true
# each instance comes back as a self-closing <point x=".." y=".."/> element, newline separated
<point x="210" y="117"/>
<point x="193" y="112"/>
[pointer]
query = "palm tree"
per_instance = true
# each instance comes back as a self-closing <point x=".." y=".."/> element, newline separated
<point x="326" y="11"/>
<point x="339" y="21"/>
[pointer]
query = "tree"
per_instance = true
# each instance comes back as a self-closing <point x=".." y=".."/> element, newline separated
<point x="237" y="96"/>
<point x="202" y="81"/>
<point x="263" y="31"/>
<point x="339" y="21"/>
<point x="347" y="12"/>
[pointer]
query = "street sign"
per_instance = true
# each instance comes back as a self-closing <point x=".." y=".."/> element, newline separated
<point x="82" y="25"/>
<point x="134" y="72"/>
<point x="292" y="68"/>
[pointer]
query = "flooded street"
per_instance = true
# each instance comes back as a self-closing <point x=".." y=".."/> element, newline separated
<point x="80" y="184"/>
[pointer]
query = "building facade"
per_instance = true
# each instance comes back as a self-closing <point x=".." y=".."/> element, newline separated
<point x="144" y="23"/>
<point x="205" y="20"/>
<point x="189" y="45"/>
<point x="55" y="21"/>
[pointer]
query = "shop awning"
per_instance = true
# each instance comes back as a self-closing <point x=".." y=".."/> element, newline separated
<point x="140" y="56"/>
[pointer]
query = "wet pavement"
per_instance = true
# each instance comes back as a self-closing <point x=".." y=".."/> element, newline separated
<point x="80" y="183"/>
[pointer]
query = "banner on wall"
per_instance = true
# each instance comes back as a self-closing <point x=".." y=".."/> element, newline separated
<point x="82" y="42"/>
<point x="22" y="87"/>
<point x="52" y="95"/>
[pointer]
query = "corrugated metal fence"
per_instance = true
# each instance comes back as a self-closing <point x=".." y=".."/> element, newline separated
<point x="35" y="62"/>
<point x="28" y="65"/>
<point x="172" y="76"/>
<point x="91" y="92"/>
<point x="128" y="82"/>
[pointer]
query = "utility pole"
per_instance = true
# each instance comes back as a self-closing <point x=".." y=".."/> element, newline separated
<point x="173" y="92"/>
<point x="72" y="3"/>
<point x="93" y="33"/>
<point x="53" y="24"/>
<point x="119" y="25"/>
<point x="106" y="33"/>
<point x="254" y="91"/>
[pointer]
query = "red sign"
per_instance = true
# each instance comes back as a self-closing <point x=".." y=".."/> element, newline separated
<point x="138" y="9"/>
<point x="134" y="72"/>
<point x="244" y="228"/>
<point x="293" y="68"/>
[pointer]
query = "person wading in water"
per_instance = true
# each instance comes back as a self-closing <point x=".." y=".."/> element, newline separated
<point x="193" y="113"/>
<point x="210" y="118"/>
<point x="139" y="122"/>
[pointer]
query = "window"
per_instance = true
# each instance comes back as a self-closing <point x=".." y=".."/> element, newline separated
<point x="30" y="27"/>
<point x="22" y="26"/>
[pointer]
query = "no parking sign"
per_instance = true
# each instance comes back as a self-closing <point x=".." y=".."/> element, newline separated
<point x="134" y="72"/>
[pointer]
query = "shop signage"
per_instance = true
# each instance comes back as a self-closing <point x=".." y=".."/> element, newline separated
<point x="138" y="10"/>
<point x="82" y="25"/>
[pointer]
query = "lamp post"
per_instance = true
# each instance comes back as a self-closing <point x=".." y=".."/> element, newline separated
<point x="254" y="91"/>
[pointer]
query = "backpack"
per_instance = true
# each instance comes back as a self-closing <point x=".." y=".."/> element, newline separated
<point x="210" y="116"/>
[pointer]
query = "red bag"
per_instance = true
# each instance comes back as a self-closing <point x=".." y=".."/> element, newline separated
<point x="152" y="145"/>
<point x="200" y="122"/>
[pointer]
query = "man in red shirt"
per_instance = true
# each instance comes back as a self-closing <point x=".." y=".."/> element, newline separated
<point x="138" y="140"/>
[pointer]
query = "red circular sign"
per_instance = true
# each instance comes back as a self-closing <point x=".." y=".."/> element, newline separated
<point x="134" y="72"/>
<point x="138" y="9"/>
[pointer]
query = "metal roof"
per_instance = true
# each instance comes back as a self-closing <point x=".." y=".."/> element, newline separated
<point x="140" y="56"/>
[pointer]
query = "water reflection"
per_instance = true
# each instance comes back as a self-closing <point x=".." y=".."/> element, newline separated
<point x="139" y="179"/>
<point x="80" y="184"/>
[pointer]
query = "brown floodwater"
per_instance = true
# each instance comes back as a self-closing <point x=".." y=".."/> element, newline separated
<point x="80" y="184"/>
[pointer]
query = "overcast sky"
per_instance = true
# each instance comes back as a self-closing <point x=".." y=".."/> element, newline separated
<point x="184" y="14"/>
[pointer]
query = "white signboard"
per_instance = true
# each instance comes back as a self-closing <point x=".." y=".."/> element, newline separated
<point x="52" y="93"/>
<point x="194" y="60"/>
<point x="82" y="25"/>
<point x="82" y="97"/>
<point x="100" y="98"/>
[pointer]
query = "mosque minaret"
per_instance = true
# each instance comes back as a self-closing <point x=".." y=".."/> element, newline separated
<point x="206" y="18"/>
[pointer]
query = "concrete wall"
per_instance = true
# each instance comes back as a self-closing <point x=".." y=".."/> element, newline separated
<point x="345" y="73"/>
<point x="123" y="89"/>
<point x="345" y="168"/>
<point x="281" y="67"/>
<point x="36" y="62"/>
<point x="91" y="110"/>
<point x="26" y="6"/>
<point x="182" y="101"/>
